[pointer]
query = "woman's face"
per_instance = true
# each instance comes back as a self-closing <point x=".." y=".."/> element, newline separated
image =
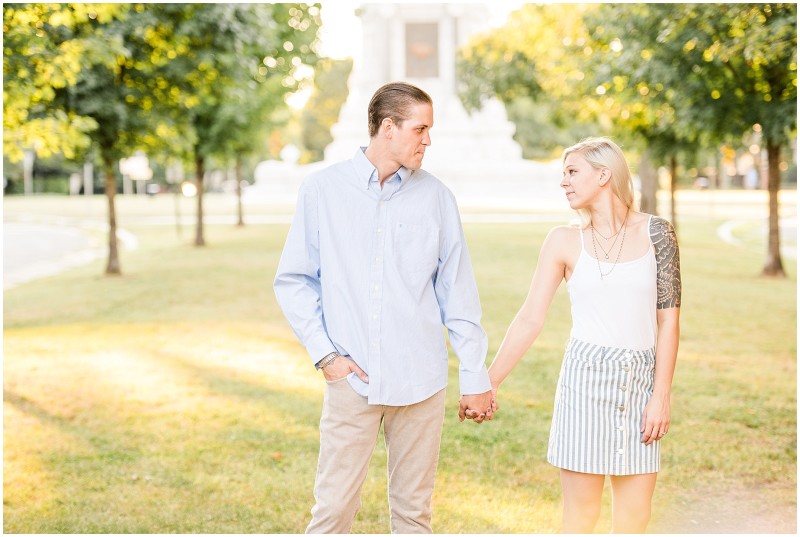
<point x="581" y="181"/>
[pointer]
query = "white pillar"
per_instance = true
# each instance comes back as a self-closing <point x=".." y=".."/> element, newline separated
<point x="447" y="57"/>
<point x="127" y="186"/>
<point x="28" y="158"/>
<point x="397" y="51"/>
<point x="88" y="179"/>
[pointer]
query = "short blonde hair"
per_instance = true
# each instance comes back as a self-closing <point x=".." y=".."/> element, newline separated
<point x="602" y="152"/>
<point x="394" y="100"/>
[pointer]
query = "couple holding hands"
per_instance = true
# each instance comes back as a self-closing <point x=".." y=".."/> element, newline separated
<point x="376" y="262"/>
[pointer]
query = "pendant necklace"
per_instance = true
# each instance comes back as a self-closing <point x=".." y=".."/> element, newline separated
<point x="616" y="235"/>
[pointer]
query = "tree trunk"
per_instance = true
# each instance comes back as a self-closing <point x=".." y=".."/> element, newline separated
<point x="200" y="167"/>
<point x="673" y="184"/>
<point x="112" y="267"/>
<point x="238" y="176"/>
<point x="774" y="265"/>
<point x="649" y="177"/>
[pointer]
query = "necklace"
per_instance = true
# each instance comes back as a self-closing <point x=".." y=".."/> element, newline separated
<point x="605" y="252"/>
<point x="615" y="235"/>
<point x="594" y="245"/>
<point x="610" y="236"/>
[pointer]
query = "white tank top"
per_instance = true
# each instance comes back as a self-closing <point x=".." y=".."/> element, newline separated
<point x="619" y="310"/>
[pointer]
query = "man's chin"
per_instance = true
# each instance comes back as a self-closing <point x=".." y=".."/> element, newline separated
<point x="415" y="164"/>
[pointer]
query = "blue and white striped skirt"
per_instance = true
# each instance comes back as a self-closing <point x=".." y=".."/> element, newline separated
<point x="600" y="399"/>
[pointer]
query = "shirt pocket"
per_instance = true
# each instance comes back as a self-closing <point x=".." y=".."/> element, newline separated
<point x="416" y="248"/>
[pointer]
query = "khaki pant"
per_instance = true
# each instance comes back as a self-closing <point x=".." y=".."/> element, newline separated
<point x="348" y="430"/>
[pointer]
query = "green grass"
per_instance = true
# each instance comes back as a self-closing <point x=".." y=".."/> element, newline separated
<point x="175" y="399"/>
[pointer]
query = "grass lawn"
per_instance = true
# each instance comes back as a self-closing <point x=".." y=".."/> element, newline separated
<point x="176" y="399"/>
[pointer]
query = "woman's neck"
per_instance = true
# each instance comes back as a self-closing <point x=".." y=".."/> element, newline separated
<point x="609" y="217"/>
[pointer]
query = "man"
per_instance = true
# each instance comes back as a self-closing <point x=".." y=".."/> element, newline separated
<point x="375" y="262"/>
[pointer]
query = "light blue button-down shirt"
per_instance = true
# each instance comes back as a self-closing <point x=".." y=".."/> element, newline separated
<point x="373" y="273"/>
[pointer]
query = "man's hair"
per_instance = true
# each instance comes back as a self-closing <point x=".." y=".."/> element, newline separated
<point x="394" y="100"/>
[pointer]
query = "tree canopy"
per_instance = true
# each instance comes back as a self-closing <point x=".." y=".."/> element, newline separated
<point x="669" y="78"/>
<point x="188" y="80"/>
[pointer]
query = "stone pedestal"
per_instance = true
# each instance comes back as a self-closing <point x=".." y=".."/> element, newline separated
<point x="417" y="43"/>
<point x="473" y="154"/>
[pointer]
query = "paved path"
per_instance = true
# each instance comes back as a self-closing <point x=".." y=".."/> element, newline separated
<point x="39" y="247"/>
<point x="33" y="251"/>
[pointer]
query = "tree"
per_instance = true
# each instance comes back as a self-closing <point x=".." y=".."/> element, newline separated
<point x="528" y="64"/>
<point x="644" y="106"/>
<point x="238" y="134"/>
<point x="45" y="47"/>
<point x="681" y="76"/>
<point x="120" y="77"/>
<point x="78" y="68"/>
<point x="561" y="76"/>
<point x="721" y="69"/>
<point x="322" y="109"/>
<point x="224" y="49"/>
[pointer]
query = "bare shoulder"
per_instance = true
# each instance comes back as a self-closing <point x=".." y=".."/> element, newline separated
<point x="637" y="220"/>
<point x="565" y="233"/>
<point x="562" y="243"/>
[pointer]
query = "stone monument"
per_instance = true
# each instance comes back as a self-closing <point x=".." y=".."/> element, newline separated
<point x="417" y="43"/>
<point x="474" y="154"/>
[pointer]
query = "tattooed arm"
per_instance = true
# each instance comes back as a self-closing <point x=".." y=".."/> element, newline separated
<point x="668" y="263"/>
<point x="656" y="416"/>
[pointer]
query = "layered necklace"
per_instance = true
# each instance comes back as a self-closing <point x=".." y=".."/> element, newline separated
<point x="607" y="253"/>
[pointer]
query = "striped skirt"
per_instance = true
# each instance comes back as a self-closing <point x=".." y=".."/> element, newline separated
<point x="600" y="399"/>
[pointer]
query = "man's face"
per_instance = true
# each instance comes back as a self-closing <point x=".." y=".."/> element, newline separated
<point x="411" y="138"/>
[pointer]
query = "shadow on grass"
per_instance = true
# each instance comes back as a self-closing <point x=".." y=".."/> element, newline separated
<point x="269" y="394"/>
<point x="217" y="457"/>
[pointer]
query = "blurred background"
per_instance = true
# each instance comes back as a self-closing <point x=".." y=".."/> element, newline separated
<point x="147" y="99"/>
<point x="152" y="154"/>
<point x="189" y="99"/>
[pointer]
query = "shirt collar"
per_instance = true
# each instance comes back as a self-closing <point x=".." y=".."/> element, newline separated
<point x="366" y="170"/>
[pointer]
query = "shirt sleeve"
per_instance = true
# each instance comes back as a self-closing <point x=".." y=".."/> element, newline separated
<point x="297" y="283"/>
<point x="459" y="303"/>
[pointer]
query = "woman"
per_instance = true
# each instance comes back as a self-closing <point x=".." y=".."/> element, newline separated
<point x="612" y="404"/>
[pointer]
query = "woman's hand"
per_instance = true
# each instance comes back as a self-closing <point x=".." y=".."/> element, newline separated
<point x="655" y="419"/>
<point x="495" y="406"/>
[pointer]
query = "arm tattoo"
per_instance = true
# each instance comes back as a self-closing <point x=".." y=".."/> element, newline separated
<point x="668" y="263"/>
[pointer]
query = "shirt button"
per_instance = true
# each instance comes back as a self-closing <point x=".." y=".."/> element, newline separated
<point x="620" y="451"/>
<point x="627" y="355"/>
<point x="623" y="388"/>
<point x="377" y="287"/>
<point x="622" y="407"/>
<point x="621" y="428"/>
<point x="379" y="230"/>
<point x="626" y="368"/>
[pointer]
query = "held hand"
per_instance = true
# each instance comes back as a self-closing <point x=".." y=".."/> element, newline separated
<point x="495" y="406"/>
<point x="477" y="407"/>
<point x="655" y="419"/>
<point x="341" y="367"/>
